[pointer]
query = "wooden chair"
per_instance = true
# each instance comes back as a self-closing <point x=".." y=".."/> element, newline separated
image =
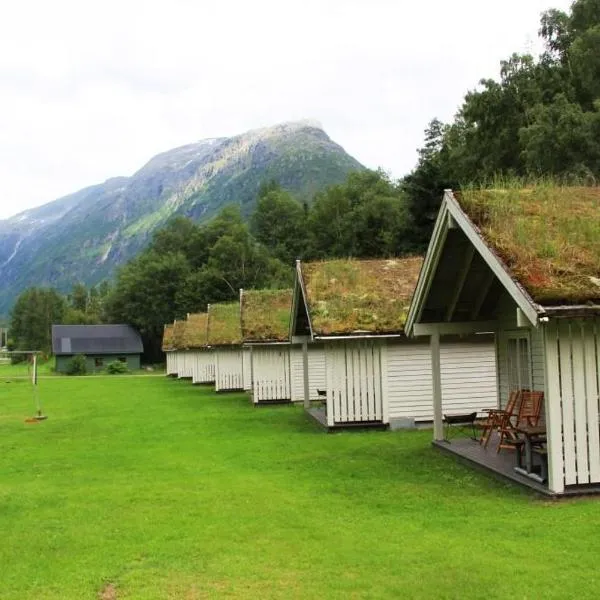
<point x="508" y="434"/>
<point x="496" y="416"/>
<point x="530" y="408"/>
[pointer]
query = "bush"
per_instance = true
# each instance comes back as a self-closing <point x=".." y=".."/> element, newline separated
<point x="77" y="365"/>
<point x="116" y="367"/>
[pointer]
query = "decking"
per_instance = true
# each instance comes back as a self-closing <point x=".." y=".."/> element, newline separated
<point x="502" y="465"/>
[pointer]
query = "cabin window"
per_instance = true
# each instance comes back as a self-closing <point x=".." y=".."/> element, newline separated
<point x="98" y="362"/>
<point x="122" y="359"/>
<point x="519" y="362"/>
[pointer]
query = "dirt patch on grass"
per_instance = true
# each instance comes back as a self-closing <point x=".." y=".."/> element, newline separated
<point x="108" y="592"/>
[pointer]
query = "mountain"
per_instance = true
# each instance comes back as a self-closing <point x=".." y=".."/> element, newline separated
<point x="86" y="235"/>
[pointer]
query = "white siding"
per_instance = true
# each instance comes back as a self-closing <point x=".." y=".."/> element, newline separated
<point x="468" y="378"/>
<point x="573" y="403"/>
<point x="247" y="366"/>
<point x="355" y="370"/>
<point x="187" y="364"/>
<point x="228" y="369"/>
<point x="180" y="363"/>
<point x="203" y="367"/>
<point x="316" y="371"/>
<point x="271" y="373"/>
<point x="171" y="363"/>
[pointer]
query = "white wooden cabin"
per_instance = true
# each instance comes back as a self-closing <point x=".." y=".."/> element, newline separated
<point x="178" y="359"/>
<point x="519" y="263"/>
<point x="225" y="341"/>
<point x="265" y="332"/>
<point x="199" y="354"/>
<point x="168" y="349"/>
<point x="372" y="373"/>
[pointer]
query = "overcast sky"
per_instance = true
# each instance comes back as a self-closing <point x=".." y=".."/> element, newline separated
<point x="89" y="91"/>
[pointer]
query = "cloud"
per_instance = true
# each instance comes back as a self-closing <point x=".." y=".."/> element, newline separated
<point x="89" y="92"/>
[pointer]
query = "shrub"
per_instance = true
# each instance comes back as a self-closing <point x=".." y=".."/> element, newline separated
<point x="116" y="367"/>
<point x="77" y="365"/>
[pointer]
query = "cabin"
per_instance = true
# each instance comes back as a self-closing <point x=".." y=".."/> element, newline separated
<point x="265" y="318"/>
<point x="182" y="358"/>
<point x="525" y="264"/>
<point x="374" y="374"/>
<point x="168" y="348"/>
<point x="225" y="339"/>
<point x="100" y="344"/>
<point x="196" y="342"/>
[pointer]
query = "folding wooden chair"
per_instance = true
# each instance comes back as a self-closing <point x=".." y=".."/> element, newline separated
<point x="496" y="416"/>
<point x="508" y="434"/>
<point x="530" y="408"/>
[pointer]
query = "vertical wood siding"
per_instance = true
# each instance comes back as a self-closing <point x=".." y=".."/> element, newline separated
<point x="468" y="370"/>
<point x="247" y="369"/>
<point x="180" y="362"/>
<point x="573" y="362"/>
<point x="354" y="381"/>
<point x="228" y="369"/>
<point x="204" y="367"/>
<point x="316" y="371"/>
<point x="271" y="373"/>
<point x="171" y="363"/>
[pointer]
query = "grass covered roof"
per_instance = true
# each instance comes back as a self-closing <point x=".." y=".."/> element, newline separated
<point x="360" y="296"/>
<point x="196" y="330"/>
<point x="224" y="327"/>
<point x="548" y="237"/>
<point x="167" y="341"/>
<point x="266" y="315"/>
<point x="179" y="335"/>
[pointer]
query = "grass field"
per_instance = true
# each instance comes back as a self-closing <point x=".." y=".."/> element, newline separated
<point x="153" y="488"/>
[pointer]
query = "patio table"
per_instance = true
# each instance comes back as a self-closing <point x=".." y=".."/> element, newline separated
<point x="533" y="436"/>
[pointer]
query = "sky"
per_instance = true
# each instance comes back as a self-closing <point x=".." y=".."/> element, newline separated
<point x="92" y="90"/>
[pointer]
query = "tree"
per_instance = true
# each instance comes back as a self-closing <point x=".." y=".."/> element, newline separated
<point x="32" y="317"/>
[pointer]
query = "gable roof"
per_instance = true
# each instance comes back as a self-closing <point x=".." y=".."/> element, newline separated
<point x="179" y="335"/>
<point x="353" y="297"/>
<point x="167" y="341"/>
<point x="547" y="237"/>
<point x="265" y="315"/>
<point x="196" y="331"/>
<point x="540" y="244"/>
<point x="95" y="339"/>
<point x="224" y="326"/>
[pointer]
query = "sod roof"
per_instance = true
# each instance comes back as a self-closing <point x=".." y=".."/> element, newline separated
<point x="167" y="341"/>
<point x="179" y="335"/>
<point x="266" y="315"/>
<point x="547" y="236"/>
<point x="224" y="327"/>
<point x="196" y="331"/>
<point x="360" y="296"/>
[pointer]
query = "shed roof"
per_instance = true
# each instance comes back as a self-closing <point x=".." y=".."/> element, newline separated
<point x="266" y="315"/>
<point x="347" y="296"/>
<point x="95" y="339"/>
<point x="196" y="331"/>
<point x="547" y="236"/>
<point x="179" y="335"/>
<point x="224" y="324"/>
<point x="167" y="341"/>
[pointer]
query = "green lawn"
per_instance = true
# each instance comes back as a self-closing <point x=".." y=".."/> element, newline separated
<point x="24" y="369"/>
<point x="152" y="488"/>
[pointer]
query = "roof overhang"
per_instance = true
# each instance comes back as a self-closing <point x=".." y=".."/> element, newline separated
<point x="449" y="217"/>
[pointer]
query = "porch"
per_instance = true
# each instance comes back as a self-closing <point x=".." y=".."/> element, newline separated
<point x="502" y="466"/>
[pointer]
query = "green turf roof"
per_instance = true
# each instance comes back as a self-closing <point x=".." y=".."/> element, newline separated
<point x="547" y="236"/>
<point x="178" y="335"/>
<point x="196" y="330"/>
<point x="224" y="327"/>
<point x="266" y="315"/>
<point x="360" y="296"/>
<point x="167" y="341"/>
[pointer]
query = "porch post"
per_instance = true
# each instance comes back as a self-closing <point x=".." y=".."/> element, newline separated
<point x="556" y="481"/>
<point x="436" y="380"/>
<point x="305" y="371"/>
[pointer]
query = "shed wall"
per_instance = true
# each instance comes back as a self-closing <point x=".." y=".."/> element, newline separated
<point x="247" y="366"/>
<point x="203" y="368"/>
<point x="316" y="371"/>
<point x="468" y="370"/>
<point x="229" y="373"/>
<point x="271" y="373"/>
